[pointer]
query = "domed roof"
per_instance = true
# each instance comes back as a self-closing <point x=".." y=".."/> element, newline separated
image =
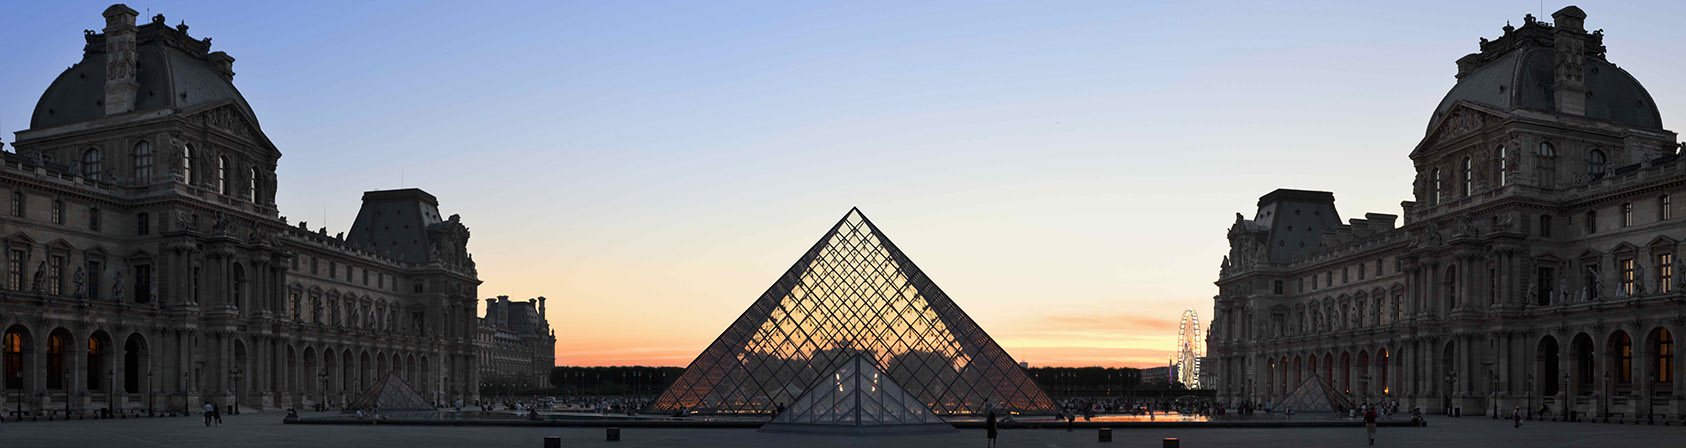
<point x="1521" y="77"/>
<point x="172" y="70"/>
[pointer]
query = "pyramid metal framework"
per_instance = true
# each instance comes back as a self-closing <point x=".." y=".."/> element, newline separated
<point x="1315" y="395"/>
<point x="853" y="293"/>
<point x="390" y="392"/>
<point x="860" y="399"/>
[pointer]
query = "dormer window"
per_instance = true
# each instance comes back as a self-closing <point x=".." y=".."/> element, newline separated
<point x="1468" y="180"/>
<point x="1595" y="161"/>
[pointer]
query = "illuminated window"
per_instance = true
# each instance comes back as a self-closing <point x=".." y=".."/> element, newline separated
<point x="1503" y="165"/>
<point x="1665" y="273"/>
<point x="1627" y="276"/>
<point x="1627" y="214"/>
<point x="222" y="175"/>
<point x="1468" y="178"/>
<point x="1664" y="370"/>
<point x="1665" y="209"/>
<point x="1595" y="164"/>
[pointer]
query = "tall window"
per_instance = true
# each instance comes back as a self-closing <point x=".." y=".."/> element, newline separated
<point x="13" y="345"/>
<point x="1591" y="221"/>
<point x="1665" y="209"/>
<point x="1627" y="214"/>
<point x="252" y="185"/>
<point x="1361" y="268"/>
<point x="1624" y="360"/>
<point x="14" y="269"/>
<point x="1664" y="371"/>
<point x="1592" y="274"/>
<point x="222" y="175"/>
<point x="143" y="283"/>
<point x="1545" y="226"/>
<point x="58" y="212"/>
<point x="1547" y="165"/>
<point x="1275" y="287"/>
<point x="1595" y="164"/>
<point x="1468" y="178"/>
<point x="1436" y="187"/>
<point x="94" y="219"/>
<point x="55" y="274"/>
<point x="143" y="162"/>
<point x="1665" y="273"/>
<point x="17" y="204"/>
<point x="293" y="305"/>
<point x="143" y="224"/>
<point x="1627" y="277"/>
<point x="91" y="161"/>
<point x="1546" y="286"/>
<point x="55" y="362"/>
<point x="187" y="164"/>
<point x="96" y="357"/>
<point x="1503" y="165"/>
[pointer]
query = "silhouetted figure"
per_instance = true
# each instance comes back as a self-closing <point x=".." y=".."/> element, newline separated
<point x="989" y="428"/>
<point x="1370" y="423"/>
<point x="208" y="411"/>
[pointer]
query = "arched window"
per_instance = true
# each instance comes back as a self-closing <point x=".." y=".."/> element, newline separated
<point x="143" y="162"/>
<point x="1468" y="180"/>
<point x="13" y="346"/>
<point x="1595" y="164"/>
<point x="1504" y="165"/>
<point x="1545" y="150"/>
<point x="222" y="175"/>
<point x="1547" y="165"/>
<point x="1663" y="371"/>
<point x="187" y="164"/>
<point x="1624" y="358"/>
<point x="55" y="361"/>
<point x="1435" y="195"/>
<point x="252" y="185"/>
<point x="95" y="360"/>
<point x="91" y="161"/>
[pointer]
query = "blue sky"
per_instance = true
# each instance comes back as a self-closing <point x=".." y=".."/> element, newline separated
<point x="652" y="166"/>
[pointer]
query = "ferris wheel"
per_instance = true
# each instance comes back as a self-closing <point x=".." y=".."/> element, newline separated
<point x="1190" y="348"/>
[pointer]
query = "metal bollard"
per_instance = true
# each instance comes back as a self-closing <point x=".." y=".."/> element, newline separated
<point x="552" y="442"/>
<point x="1171" y="442"/>
<point x="614" y="434"/>
<point x="1106" y="435"/>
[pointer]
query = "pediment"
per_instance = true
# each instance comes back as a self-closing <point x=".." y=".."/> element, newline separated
<point x="1662" y="242"/>
<point x="20" y="237"/>
<point x="1589" y="253"/>
<point x="1462" y="119"/>
<point x="1624" y="247"/>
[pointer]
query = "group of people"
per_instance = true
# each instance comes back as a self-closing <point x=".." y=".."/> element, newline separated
<point x="212" y="415"/>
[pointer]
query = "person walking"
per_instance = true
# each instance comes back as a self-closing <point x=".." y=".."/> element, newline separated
<point x="1516" y="414"/>
<point x="1370" y="423"/>
<point x="208" y="409"/>
<point x="989" y="428"/>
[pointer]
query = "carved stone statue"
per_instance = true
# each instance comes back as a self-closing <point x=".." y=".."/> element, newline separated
<point x="80" y="280"/>
<point x="1638" y="279"/>
<point x="40" y="277"/>
<point x="117" y="286"/>
<point x="219" y="227"/>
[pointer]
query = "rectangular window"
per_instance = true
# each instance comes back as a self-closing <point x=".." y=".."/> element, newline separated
<point x="17" y="204"/>
<point x="1665" y="209"/>
<point x="94" y="219"/>
<point x="1344" y="276"/>
<point x="1591" y="222"/>
<point x="143" y="283"/>
<point x="365" y="277"/>
<point x="58" y="212"/>
<point x="314" y="263"/>
<point x="55" y="274"/>
<point x="195" y="285"/>
<point x="93" y="279"/>
<point x="1361" y="268"/>
<point x="14" y="269"/>
<point x="381" y="280"/>
<point x="293" y="306"/>
<point x="1627" y="277"/>
<point x="143" y="224"/>
<point x="1545" y="286"/>
<point x="1627" y="215"/>
<point x="1545" y="226"/>
<point x="333" y="269"/>
<point x="348" y="272"/>
<point x="1665" y="273"/>
<point x="1591" y="283"/>
<point x="1378" y="267"/>
<point x="1276" y="287"/>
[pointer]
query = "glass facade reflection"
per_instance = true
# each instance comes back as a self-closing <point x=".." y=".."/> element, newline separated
<point x="852" y="294"/>
<point x="857" y="394"/>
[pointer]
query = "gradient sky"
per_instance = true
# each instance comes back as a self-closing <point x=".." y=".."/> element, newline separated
<point x="1066" y="171"/>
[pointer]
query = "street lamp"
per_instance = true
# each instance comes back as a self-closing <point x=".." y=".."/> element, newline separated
<point x="1528" y="383"/>
<point x="1607" y="391"/>
<point x="1451" y="381"/>
<point x="1493" y="383"/>
<point x="234" y="378"/>
<point x="324" y="376"/>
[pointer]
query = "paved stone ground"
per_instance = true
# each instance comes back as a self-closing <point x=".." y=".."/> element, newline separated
<point x="266" y="430"/>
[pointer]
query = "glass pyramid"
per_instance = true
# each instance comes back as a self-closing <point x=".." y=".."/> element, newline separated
<point x="857" y="397"/>
<point x="853" y="293"/>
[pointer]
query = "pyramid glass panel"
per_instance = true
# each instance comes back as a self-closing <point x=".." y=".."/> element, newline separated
<point x="853" y="294"/>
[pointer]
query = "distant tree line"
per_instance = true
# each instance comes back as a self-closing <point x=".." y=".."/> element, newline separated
<point x="619" y="380"/>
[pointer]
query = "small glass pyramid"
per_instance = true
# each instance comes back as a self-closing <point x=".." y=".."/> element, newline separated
<point x="853" y="294"/>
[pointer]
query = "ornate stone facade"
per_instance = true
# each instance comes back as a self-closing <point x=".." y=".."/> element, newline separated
<point x="1537" y="265"/>
<point x="147" y="267"/>
<point x="515" y="343"/>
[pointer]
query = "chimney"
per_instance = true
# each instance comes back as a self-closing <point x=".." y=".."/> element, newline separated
<point x="541" y="306"/>
<point x="223" y="64"/>
<point x="1569" y="77"/>
<point x="120" y="85"/>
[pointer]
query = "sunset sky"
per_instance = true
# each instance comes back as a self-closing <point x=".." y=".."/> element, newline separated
<point x="1065" y="171"/>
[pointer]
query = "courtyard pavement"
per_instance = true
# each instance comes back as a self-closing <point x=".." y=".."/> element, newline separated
<point x="266" y="430"/>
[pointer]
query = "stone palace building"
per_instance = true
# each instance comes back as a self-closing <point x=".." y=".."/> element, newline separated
<point x="1536" y="266"/>
<point x="515" y="343"/>
<point x="146" y="266"/>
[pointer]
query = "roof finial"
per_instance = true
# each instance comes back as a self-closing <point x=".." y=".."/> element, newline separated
<point x="182" y="27"/>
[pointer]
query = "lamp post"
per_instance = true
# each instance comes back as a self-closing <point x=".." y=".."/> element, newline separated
<point x="1528" y="383"/>
<point x="1607" y="391"/>
<point x="324" y="376"/>
<point x="1451" y="380"/>
<point x="1493" y="384"/>
<point x="111" y="394"/>
<point x="234" y="379"/>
